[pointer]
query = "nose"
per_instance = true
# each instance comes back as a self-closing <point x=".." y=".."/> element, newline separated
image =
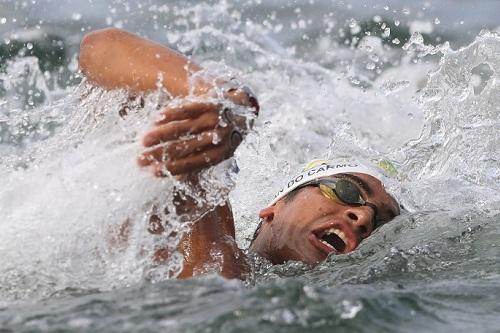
<point x="362" y="219"/>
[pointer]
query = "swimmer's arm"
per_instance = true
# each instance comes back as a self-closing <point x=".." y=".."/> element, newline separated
<point x="209" y="246"/>
<point x="116" y="59"/>
<point x="113" y="58"/>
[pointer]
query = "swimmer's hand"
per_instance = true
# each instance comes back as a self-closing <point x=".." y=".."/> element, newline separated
<point x="189" y="136"/>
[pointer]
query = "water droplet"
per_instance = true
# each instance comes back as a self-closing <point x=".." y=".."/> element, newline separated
<point x="222" y="122"/>
<point x="370" y="66"/>
<point x="397" y="23"/>
<point x="216" y="139"/>
<point x="76" y="16"/>
<point x="3" y="20"/>
<point x="406" y="11"/>
<point x="29" y="46"/>
<point x="386" y="7"/>
<point x="396" y="41"/>
<point x="394" y="86"/>
<point x="355" y="28"/>
<point x="367" y="48"/>
<point x="437" y="21"/>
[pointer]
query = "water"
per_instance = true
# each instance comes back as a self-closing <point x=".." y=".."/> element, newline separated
<point x="69" y="175"/>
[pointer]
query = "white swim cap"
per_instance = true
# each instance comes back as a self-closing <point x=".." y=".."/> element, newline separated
<point x="324" y="168"/>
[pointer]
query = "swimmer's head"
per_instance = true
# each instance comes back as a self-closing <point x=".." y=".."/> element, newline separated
<point x="330" y="207"/>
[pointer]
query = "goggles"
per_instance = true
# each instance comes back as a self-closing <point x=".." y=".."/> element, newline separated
<point x="342" y="191"/>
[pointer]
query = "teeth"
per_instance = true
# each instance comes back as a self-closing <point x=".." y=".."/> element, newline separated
<point x="338" y="233"/>
<point x="327" y="244"/>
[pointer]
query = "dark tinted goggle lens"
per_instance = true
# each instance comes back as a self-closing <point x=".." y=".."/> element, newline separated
<point x="343" y="190"/>
<point x="348" y="192"/>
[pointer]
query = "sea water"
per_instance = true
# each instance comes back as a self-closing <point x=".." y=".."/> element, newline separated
<point x="413" y="84"/>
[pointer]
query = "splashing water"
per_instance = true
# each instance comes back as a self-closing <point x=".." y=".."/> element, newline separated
<point x="461" y="128"/>
<point x="70" y="180"/>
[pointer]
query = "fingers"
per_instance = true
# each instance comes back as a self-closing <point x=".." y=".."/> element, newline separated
<point x="193" y="162"/>
<point x="203" y="141"/>
<point x="186" y="111"/>
<point x="152" y="156"/>
<point x="182" y="148"/>
<point x="172" y="146"/>
<point x="176" y="129"/>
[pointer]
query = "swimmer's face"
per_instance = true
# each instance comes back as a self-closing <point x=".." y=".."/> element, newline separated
<point x="309" y="226"/>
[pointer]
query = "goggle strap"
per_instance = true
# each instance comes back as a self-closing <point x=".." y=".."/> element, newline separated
<point x="375" y="213"/>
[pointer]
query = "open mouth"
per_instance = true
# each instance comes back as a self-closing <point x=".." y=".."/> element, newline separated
<point x="334" y="238"/>
<point x="330" y="240"/>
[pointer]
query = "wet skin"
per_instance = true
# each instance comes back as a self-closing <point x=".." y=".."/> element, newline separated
<point x="293" y="229"/>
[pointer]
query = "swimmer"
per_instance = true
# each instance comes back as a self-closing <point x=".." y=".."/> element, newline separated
<point x="328" y="207"/>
